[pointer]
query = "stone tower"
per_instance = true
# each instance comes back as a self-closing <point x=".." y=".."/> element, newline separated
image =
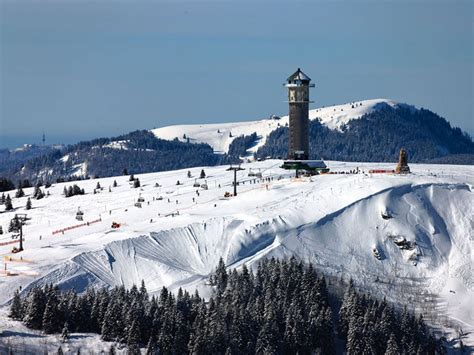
<point x="402" y="167"/>
<point x="298" y="85"/>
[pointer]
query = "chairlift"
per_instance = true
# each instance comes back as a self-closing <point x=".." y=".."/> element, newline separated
<point x="259" y="174"/>
<point x="140" y="198"/>
<point x="196" y="184"/>
<point x="204" y="186"/>
<point x="251" y="173"/>
<point x="138" y="204"/>
<point x="79" y="214"/>
<point x="160" y="198"/>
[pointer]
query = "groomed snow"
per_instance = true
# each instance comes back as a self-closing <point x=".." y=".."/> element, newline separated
<point x="334" y="221"/>
<point x="217" y="135"/>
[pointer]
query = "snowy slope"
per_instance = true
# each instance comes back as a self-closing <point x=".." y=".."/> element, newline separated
<point x="334" y="221"/>
<point x="217" y="135"/>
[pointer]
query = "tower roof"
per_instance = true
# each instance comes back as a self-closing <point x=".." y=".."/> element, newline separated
<point x="299" y="75"/>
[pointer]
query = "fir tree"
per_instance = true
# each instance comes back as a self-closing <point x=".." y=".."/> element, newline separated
<point x="50" y="318"/>
<point x="203" y="174"/>
<point x="115" y="183"/>
<point x="8" y="203"/>
<point x="392" y="346"/>
<point x="133" y="338"/>
<point x="136" y="183"/>
<point x="19" y="192"/>
<point x="35" y="305"/>
<point x="16" y="309"/>
<point x="28" y="204"/>
<point x="98" y="186"/>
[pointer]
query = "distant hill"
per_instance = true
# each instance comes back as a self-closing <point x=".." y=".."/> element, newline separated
<point x="369" y="131"/>
<point x="378" y="136"/>
<point x="136" y="152"/>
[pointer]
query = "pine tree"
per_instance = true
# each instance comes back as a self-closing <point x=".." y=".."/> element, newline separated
<point x="131" y="178"/>
<point x="189" y="174"/>
<point x="133" y="339"/>
<point x="203" y="174"/>
<point x="65" y="333"/>
<point x="115" y="183"/>
<point x="1" y="230"/>
<point x="19" y="192"/>
<point x="136" y="183"/>
<point x="49" y="318"/>
<point x="28" y="204"/>
<point x="98" y="186"/>
<point x="151" y="347"/>
<point x="2" y="199"/>
<point x="60" y="351"/>
<point x="392" y="346"/>
<point x="16" y="309"/>
<point x="8" y="203"/>
<point x="35" y="305"/>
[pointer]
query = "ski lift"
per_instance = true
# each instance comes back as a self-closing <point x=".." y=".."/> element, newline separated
<point x="160" y="198"/>
<point x="196" y="184"/>
<point x="79" y="214"/>
<point x="251" y="173"/>
<point x="259" y="174"/>
<point x="138" y="204"/>
<point x="140" y="198"/>
<point x="204" y="186"/>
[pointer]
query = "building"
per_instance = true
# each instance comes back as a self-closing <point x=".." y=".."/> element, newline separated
<point x="298" y="85"/>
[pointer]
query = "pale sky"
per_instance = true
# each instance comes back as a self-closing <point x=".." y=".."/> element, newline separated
<point x="83" y="69"/>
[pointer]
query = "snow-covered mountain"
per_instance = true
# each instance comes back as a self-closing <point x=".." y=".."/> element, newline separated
<point x="220" y="135"/>
<point x="408" y="238"/>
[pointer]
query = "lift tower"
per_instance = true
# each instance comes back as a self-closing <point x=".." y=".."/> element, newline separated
<point x="235" y="169"/>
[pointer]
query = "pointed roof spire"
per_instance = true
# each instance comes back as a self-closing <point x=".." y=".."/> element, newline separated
<point x="300" y="76"/>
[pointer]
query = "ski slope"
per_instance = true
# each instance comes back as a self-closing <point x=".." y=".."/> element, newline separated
<point x="218" y="135"/>
<point x="420" y="254"/>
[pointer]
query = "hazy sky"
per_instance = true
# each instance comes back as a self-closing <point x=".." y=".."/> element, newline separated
<point x="83" y="69"/>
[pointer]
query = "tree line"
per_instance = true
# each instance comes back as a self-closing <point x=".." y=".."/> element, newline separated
<point x="283" y="308"/>
<point x="378" y="137"/>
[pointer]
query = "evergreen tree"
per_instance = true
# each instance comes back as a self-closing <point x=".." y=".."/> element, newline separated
<point x="136" y="183"/>
<point x="16" y="308"/>
<point x="60" y="351"/>
<point x="19" y="192"/>
<point x="2" y="199"/>
<point x="8" y="203"/>
<point x="35" y="305"/>
<point x="133" y="338"/>
<point x="131" y="178"/>
<point x="6" y="185"/>
<point x="98" y="186"/>
<point x="28" y="204"/>
<point x="392" y="346"/>
<point x="203" y="174"/>
<point x="50" y="317"/>
<point x="189" y="174"/>
<point x="115" y="183"/>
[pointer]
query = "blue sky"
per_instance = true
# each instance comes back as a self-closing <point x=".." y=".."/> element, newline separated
<point x="83" y="69"/>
